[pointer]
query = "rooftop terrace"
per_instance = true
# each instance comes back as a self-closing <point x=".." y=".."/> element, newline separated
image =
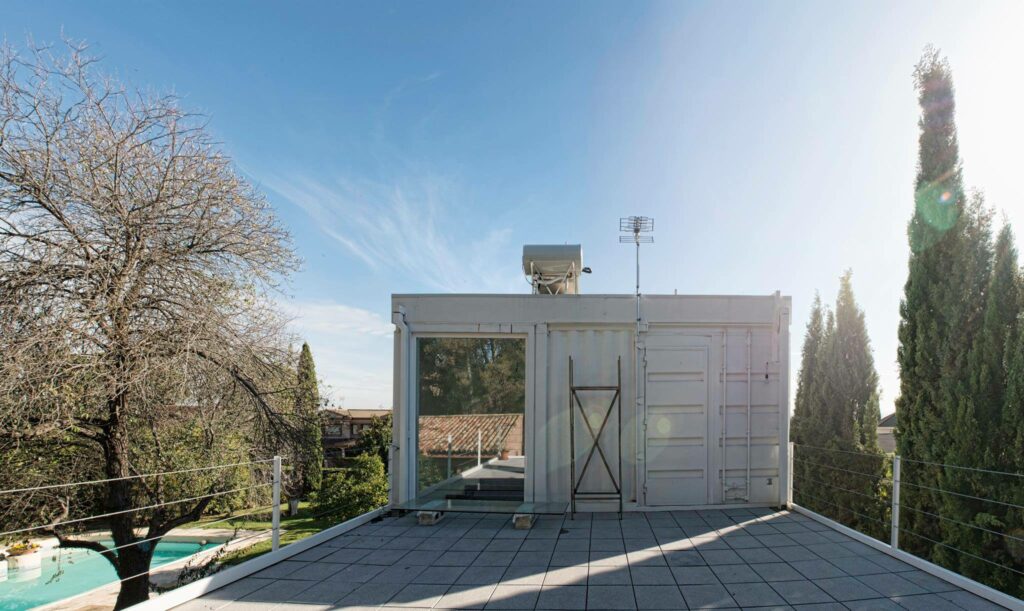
<point x="735" y="558"/>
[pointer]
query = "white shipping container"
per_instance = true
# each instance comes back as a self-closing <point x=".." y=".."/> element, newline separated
<point x="704" y="383"/>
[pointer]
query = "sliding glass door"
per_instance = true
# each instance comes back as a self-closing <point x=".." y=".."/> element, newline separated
<point x="471" y="400"/>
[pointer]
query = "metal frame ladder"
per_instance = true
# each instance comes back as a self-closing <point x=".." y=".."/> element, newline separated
<point x="615" y="404"/>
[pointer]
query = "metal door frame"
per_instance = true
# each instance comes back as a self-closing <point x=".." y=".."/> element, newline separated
<point x="706" y="348"/>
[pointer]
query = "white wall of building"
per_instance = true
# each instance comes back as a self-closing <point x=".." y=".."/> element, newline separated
<point x="681" y="343"/>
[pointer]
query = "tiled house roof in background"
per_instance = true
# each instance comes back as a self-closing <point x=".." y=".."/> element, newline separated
<point x="498" y="432"/>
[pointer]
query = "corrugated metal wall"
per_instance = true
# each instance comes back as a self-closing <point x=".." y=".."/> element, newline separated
<point x="594" y="352"/>
<point x="764" y="417"/>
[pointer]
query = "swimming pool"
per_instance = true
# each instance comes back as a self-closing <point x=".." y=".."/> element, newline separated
<point x="65" y="573"/>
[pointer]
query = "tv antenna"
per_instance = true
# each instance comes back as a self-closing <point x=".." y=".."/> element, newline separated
<point x="633" y="227"/>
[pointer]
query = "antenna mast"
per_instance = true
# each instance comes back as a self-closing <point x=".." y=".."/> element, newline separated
<point x="632" y="227"/>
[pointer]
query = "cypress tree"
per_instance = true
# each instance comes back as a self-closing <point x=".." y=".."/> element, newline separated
<point x="837" y="401"/>
<point x="942" y="307"/>
<point x="808" y="370"/>
<point x="988" y="358"/>
<point x="310" y="452"/>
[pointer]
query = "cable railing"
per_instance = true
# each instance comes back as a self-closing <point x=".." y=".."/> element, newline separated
<point x="824" y="482"/>
<point x="70" y="530"/>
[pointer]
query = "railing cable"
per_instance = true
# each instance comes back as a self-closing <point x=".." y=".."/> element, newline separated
<point x="872" y="518"/>
<point x="873" y="476"/>
<point x="124" y="511"/>
<point x="944" y="518"/>
<point x="960" y="494"/>
<point x="128" y="477"/>
<point x="939" y="464"/>
<point x="966" y="553"/>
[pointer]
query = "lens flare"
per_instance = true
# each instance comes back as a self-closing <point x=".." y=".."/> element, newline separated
<point x="945" y="197"/>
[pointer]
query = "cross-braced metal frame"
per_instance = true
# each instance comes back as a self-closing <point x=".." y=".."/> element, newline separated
<point x="614" y="405"/>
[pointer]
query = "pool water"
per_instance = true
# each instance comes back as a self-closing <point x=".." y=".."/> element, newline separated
<point x="65" y="573"/>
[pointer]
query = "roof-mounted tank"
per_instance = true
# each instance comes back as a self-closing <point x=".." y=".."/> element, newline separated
<point x="554" y="269"/>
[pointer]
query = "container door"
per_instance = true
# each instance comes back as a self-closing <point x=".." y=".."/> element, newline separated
<point x="676" y="376"/>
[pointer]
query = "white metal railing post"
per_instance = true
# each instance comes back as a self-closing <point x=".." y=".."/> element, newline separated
<point x="894" y="538"/>
<point x="789" y="476"/>
<point x="479" y="448"/>
<point x="276" y="520"/>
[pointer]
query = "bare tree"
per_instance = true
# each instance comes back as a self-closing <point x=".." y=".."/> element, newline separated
<point x="137" y="271"/>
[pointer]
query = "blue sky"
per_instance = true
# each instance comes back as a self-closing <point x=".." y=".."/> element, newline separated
<point x="414" y="146"/>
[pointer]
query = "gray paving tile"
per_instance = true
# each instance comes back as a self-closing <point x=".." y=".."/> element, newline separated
<point x="281" y="569"/>
<point x="466" y="597"/>
<point x="563" y="597"/>
<point x="874" y="604"/>
<point x="694" y="575"/>
<point x="889" y="563"/>
<point x="929" y="582"/>
<point x="966" y="600"/>
<point x="721" y="557"/>
<point x="610" y="597"/>
<point x="684" y="558"/>
<point x="358" y="573"/>
<point x="778" y="571"/>
<point x="439" y="574"/>
<point x="491" y="558"/>
<point x="538" y="545"/>
<point x="758" y="555"/>
<point x="646" y="558"/>
<point x="418" y="595"/>
<point x="846" y="588"/>
<point x="566" y="576"/>
<point x="524" y="575"/>
<point x="278" y="591"/>
<point x="316" y="553"/>
<point x="325" y="592"/>
<point x="503" y="545"/>
<point x="427" y="557"/>
<point x="736" y="573"/>
<point x="384" y="557"/>
<point x="470" y="545"/>
<point x="891" y="585"/>
<point x="795" y="553"/>
<point x="754" y="595"/>
<point x="513" y="597"/>
<point x="817" y="569"/>
<point x="651" y="575"/>
<point x="856" y="566"/>
<point x="480" y="575"/>
<point x="531" y="559"/>
<point x="570" y="558"/>
<point x="707" y="597"/>
<point x="800" y="592"/>
<point x="602" y="558"/>
<point x="925" y="602"/>
<point x="658" y="597"/>
<point x="370" y="594"/>
<point x="607" y="545"/>
<point x="609" y="576"/>
<point x="400" y="573"/>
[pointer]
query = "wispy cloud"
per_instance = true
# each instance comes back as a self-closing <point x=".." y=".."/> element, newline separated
<point x="414" y="226"/>
<point x="351" y="347"/>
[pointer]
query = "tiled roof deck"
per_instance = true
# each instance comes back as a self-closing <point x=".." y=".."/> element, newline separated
<point x="736" y="558"/>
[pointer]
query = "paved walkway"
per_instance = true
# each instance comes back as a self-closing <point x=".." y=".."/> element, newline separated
<point x="736" y="558"/>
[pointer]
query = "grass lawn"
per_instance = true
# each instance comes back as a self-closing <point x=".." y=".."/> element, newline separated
<point x="293" y="528"/>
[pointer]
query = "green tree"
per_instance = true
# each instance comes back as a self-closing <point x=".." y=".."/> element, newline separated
<point x="309" y="454"/>
<point x="376" y="438"/>
<point x="838" y="466"/>
<point x="362" y="487"/>
<point x="803" y="404"/>
<point x="942" y="310"/>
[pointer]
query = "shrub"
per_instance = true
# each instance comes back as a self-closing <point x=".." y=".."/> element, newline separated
<point x="362" y="488"/>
